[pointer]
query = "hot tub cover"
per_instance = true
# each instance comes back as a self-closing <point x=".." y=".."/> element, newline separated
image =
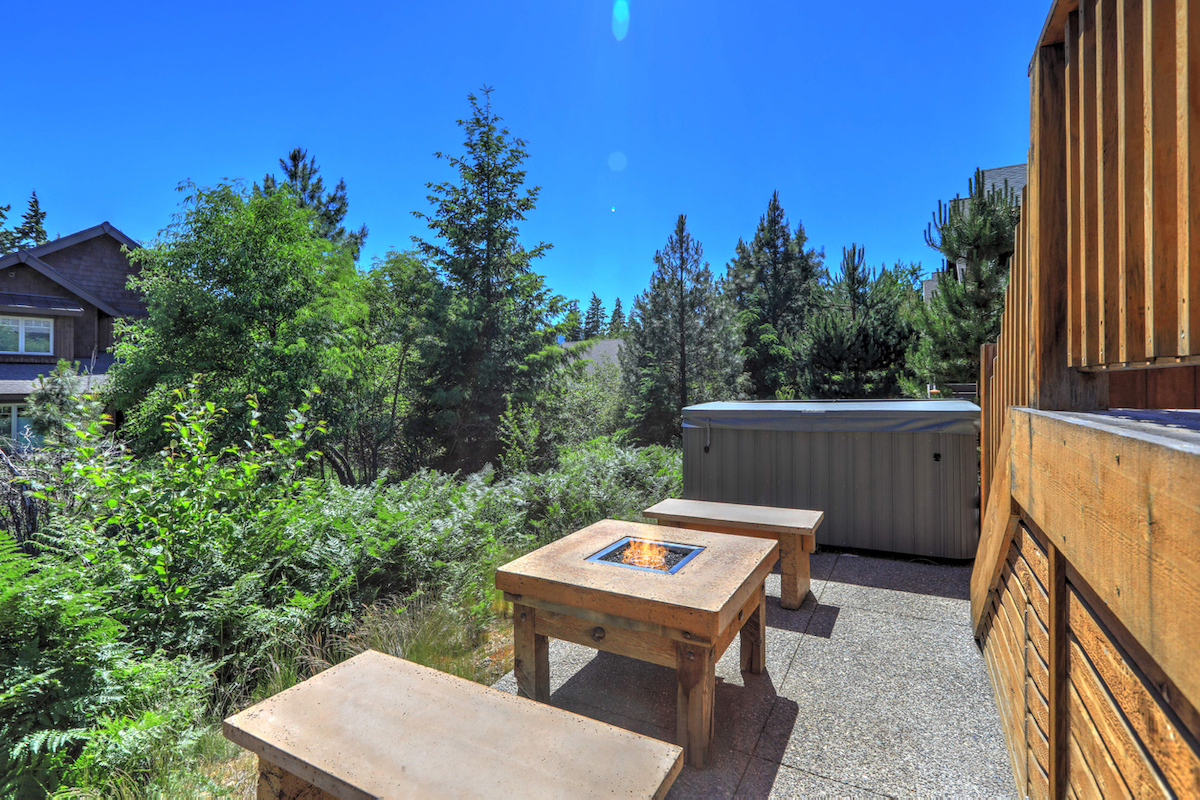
<point x="874" y="416"/>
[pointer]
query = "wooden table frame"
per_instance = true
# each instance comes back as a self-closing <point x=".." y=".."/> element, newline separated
<point x="794" y="529"/>
<point x="664" y="638"/>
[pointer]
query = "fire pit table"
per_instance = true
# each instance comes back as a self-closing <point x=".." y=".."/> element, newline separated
<point x="679" y="607"/>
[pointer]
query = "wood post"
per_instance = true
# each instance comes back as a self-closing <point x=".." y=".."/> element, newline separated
<point x="793" y="565"/>
<point x="531" y="656"/>
<point x="754" y="636"/>
<point x="697" y="671"/>
<point x="1055" y="386"/>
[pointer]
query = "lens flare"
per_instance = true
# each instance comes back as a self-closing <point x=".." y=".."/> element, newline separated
<point x="620" y="19"/>
<point x="617" y="161"/>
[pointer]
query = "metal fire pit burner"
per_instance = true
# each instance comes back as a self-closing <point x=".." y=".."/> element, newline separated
<point x="688" y="551"/>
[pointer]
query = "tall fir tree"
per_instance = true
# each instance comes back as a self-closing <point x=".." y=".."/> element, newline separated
<point x="32" y="230"/>
<point x="682" y="344"/>
<point x="855" y="346"/>
<point x="593" y="320"/>
<point x="773" y="281"/>
<point x="8" y="239"/>
<point x="572" y="325"/>
<point x="30" y="233"/>
<point x="302" y="175"/>
<point x="976" y="232"/>
<point x="616" y="323"/>
<point x="494" y="342"/>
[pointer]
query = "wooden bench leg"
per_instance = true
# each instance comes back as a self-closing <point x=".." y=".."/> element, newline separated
<point x="697" y="671"/>
<point x="531" y="656"/>
<point x="754" y="637"/>
<point x="793" y="563"/>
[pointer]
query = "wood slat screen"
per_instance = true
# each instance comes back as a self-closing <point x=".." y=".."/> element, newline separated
<point x="1133" y="86"/>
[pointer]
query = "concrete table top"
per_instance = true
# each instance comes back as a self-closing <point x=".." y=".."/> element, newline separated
<point x="764" y="518"/>
<point x="380" y="726"/>
<point x="702" y="598"/>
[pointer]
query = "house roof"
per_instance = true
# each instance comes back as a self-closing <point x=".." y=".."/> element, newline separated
<point x="12" y="302"/>
<point x="28" y="258"/>
<point x="19" y="379"/>
<point x="103" y="229"/>
<point x="1017" y="176"/>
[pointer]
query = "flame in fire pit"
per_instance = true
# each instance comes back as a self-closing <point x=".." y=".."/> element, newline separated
<point x="641" y="553"/>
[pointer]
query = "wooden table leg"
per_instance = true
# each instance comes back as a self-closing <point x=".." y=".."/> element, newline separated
<point x="697" y="672"/>
<point x="754" y="637"/>
<point x="531" y="656"/>
<point x="793" y="563"/>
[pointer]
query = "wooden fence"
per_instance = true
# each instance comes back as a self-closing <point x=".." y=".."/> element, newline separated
<point x="1085" y="594"/>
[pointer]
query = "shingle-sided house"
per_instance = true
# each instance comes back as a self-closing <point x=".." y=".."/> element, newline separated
<point x="59" y="300"/>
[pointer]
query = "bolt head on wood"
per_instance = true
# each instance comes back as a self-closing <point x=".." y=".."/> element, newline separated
<point x="597" y="633"/>
<point x="691" y="656"/>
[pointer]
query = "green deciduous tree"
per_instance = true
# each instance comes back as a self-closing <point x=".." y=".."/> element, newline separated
<point x="301" y="173"/>
<point x="593" y="320"/>
<point x="773" y="281"/>
<point x="495" y="338"/>
<point x="681" y="347"/>
<point x="855" y="346"/>
<point x="976" y="232"/>
<point x="240" y="289"/>
<point x="616" y="323"/>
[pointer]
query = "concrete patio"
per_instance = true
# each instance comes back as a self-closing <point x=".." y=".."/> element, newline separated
<point x="874" y="689"/>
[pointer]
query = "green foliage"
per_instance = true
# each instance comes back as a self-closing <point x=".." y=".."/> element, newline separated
<point x="371" y="371"/>
<point x="241" y="289"/>
<point x="30" y="233"/>
<point x="71" y="690"/>
<point x="493" y="340"/>
<point x="681" y="347"/>
<point x="977" y="232"/>
<point x="593" y="320"/>
<point x="856" y="344"/>
<point x="301" y="176"/>
<point x="774" y="283"/>
<point x="59" y="402"/>
<point x="616" y="323"/>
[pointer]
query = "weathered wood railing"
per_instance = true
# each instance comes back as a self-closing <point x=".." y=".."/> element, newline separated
<point x="1085" y="594"/>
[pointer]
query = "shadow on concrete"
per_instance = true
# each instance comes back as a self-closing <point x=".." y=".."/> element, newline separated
<point x="951" y="580"/>
<point x="822" y="621"/>
<point x="795" y="620"/>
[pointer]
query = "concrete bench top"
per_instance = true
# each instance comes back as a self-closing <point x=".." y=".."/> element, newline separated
<point x="380" y="726"/>
<point x="736" y="515"/>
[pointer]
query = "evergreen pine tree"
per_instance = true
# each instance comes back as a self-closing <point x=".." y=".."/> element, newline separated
<point x="616" y="323"/>
<point x="593" y="320"/>
<point x="855" y="346"/>
<point x="572" y="326"/>
<point x="301" y="173"/>
<point x="681" y="347"/>
<point x="978" y="233"/>
<point x="772" y="282"/>
<point x="32" y="232"/>
<point x="8" y="239"/>
<point x="493" y="343"/>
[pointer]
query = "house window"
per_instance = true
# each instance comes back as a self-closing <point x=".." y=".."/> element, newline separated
<point x="26" y="335"/>
<point x="16" y="429"/>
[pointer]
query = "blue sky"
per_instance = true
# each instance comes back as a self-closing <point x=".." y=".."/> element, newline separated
<point x="861" y="114"/>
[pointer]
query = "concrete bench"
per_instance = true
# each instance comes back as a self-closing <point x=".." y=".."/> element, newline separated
<point x="794" y="529"/>
<point x="380" y="726"/>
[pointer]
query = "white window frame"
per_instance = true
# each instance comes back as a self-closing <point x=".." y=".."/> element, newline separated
<point x="14" y="413"/>
<point x="21" y="336"/>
